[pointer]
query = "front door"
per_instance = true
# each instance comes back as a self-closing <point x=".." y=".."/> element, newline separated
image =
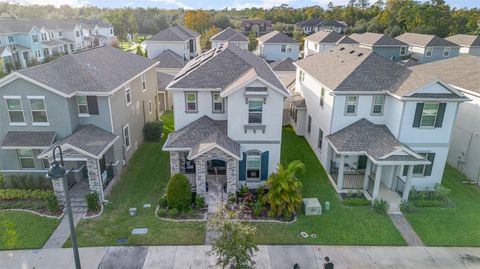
<point x="362" y="162"/>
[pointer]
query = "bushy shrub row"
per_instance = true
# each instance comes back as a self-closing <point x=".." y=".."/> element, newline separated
<point x="10" y="194"/>
<point x="153" y="131"/>
<point x="356" y="202"/>
<point x="25" y="182"/>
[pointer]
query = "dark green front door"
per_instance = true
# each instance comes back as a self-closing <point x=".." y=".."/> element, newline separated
<point x="362" y="162"/>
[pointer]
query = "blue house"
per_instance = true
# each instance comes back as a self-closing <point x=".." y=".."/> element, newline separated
<point x="429" y="48"/>
<point x="385" y="46"/>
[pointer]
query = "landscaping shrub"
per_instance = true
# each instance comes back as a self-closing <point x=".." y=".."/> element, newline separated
<point x="356" y="202"/>
<point x="52" y="203"/>
<point x="25" y="182"/>
<point x="199" y="202"/>
<point x="162" y="212"/>
<point x="11" y="194"/>
<point x="427" y="203"/>
<point x="153" y="131"/>
<point x="257" y="208"/>
<point x="92" y="201"/>
<point x="162" y="202"/>
<point x="406" y="207"/>
<point x="179" y="194"/>
<point x="172" y="212"/>
<point x="380" y="206"/>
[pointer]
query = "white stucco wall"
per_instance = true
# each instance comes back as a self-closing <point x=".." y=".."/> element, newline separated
<point x="242" y="45"/>
<point x="154" y="48"/>
<point x="274" y="52"/>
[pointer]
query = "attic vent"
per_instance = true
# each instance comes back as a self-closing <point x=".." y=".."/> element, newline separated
<point x="342" y="48"/>
<point x="360" y="54"/>
<point x="352" y="52"/>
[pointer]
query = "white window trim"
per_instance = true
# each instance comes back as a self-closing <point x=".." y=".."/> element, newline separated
<point x="428" y="49"/>
<point x="143" y="82"/>
<point x="424" y="166"/>
<point x="446" y="50"/>
<point x="436" y="116"/>
<point x="346" y="105"/>
<point x="124" y="137"/>
<point x="322" y="97"/>
<point x="128" y="91"/>
<point x="404" y="53"/>
<point x="20" y="161"/>
<point x="82" y="115"/>
<point x="24" y="123"/>
<point x="259" y="168"/>
<point x="309" y="125"/>
<point x="186" y="102"/>
<point x="47" y="123"/>
<point x="213" y="103"/>
<point x="373" y="113"/>
<point x="255" y="112"/>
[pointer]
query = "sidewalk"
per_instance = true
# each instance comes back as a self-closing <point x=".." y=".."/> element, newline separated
<point x="269" y="257"/>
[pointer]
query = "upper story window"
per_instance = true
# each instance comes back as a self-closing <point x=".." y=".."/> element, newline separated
<point x="39" y="110"/>
<point x="15" y="110"/>
<point x="38" y="54"/>
<point x="77" y="33"/>
<point x="217" y="103"/>
<point x="255" y="108"/>
<point x="126" y="137"/>
<point x="302" y="76"/>
<point x="320" y="139"/>
<point x="191" y="102"/>
<point x="253" y="164"/>
<point x="82" y="105"/>
<point x="144" y="84"/>
<point x="309" y="125"/>
<point x="11" y="39"/>
<point x="429" y="114"/>
<point x="52" y="35"/>
<point x="428" y="51"/>
<point x="26" y="158"/>
<point x="377" y="106"/>
<point x="44" y="36"/>
<point x="322" y="96"/>
<point x="60" y="33"/>
<point x="351" y="105"/>
<point x="403" y="50"/>
<point x="286" y="48"/>
<point x="111" y="31"/>
<point x="446" y="52"/>
<point x="128" y="94"/>
<point x="35" y="38"/>
<point x="315" y="46"/>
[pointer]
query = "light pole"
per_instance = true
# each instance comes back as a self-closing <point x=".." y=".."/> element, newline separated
<point x="57" y="170"/>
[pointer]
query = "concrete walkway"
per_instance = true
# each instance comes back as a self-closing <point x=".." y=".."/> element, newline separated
<point x="406" y="230"/>
<point x="62" y="232"/>
<point x="269" y="257"/>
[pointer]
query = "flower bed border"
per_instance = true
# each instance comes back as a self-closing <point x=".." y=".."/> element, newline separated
<point x="180" y="220"/>
<point x="96" y="215"/>
<point x="34" y="212"/>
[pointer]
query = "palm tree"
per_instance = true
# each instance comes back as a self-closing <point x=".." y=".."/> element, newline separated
<point x="284" y="195"/>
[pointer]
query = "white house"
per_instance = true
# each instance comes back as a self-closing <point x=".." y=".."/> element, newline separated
<point x="315" y="25"/>
<point x="465" y="145"/>
<point x="382" y="44"/>
<point x="178" y="39"/>
<point x="277" y="46"/>
<point x="229" y="36"/>
<point x="376" y="132"/>
<point x="324" y="40"/>
<point x="469" y="44"/>
<point x="228" y="120"/>
<point x="429" y="48"/>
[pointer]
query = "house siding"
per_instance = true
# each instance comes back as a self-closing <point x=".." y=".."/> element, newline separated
<point x="273" y="52"/>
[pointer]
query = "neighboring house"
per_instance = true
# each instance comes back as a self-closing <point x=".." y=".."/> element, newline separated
<point x="258" y="27"/>
<point x="324" y="40"/>
<point x="165" y="101"/>
<point x="377" y="132"/>
<point x="385" y="46"/>
<point x="315" y="25"/>
<point x="429" y="48"/>
<point x="277" y="46"/>
<point x="462" y="73"/>
<point x="284" y="68"/>
<point x="230" y="36"/>
<point x="228" y="120"/>
<point x="178" y="39"/>
<point x="469" y="44"/>
<point x="89" y="104"/>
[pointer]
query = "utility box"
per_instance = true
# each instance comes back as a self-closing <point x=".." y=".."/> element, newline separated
<point x="312" y="207"/>
<point x="133" y="211"/>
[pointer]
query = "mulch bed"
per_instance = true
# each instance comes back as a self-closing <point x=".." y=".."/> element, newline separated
<point x="36" y="205"/>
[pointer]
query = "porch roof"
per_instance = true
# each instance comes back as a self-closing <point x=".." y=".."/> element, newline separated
<point x="88" y="140"/>
<point x="200" y="136"/>
<point x="374" y="140"/>
<point x="28" y="139"/>
<point x="298" y="101"/>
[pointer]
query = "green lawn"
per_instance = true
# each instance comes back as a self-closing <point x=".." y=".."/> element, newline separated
<point x="23" y="230"/>
<point x="457" y="226"/>
<point x="339" y="226"/>
<point x="143" y="182"/>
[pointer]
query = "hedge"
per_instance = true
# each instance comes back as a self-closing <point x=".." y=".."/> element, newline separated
<point x="153" y="131"/>
<point x="11" y="194"/>
<point x="179" y="194"/>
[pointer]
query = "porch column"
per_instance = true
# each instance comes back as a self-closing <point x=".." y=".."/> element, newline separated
<point x="340" y="173"/>
<point x="408" y="183"/>
<point x="201" y="176"/>
<point x="174" y="163"/>
<point x="94" y="177"/>
<point x="378" y="179"/>
<point x="232" y="168"/>
<point x="59" y="190"/>
<point x="367" y="174"/>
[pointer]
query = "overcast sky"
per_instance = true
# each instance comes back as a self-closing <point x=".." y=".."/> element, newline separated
<point x="211" y="4"/>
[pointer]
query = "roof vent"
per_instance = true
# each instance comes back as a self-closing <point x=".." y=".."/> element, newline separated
<point x="342" y="48"/>
<point x="360" y="54"/>
<point x="352" y="52"/>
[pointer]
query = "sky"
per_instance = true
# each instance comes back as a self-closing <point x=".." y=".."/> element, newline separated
<point x="211" y="4"/>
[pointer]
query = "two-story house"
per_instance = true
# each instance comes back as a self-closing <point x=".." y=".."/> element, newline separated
<point x="277" y="46"/>
<point x="88" y="103"/>
<point x="228" y="35"/>
<point x="314" y="25"/>
<point x="228" y="120"/>
<point x="258" y="27"/>
<point x="179" y="39"/>
<point x="429" y="48"/>
<point x="385" y="46"/>
<point x="324" y="40"/>
<point x="469" y="44"/>
<point x="377" y="132"/>
<point x="60" y="36"/>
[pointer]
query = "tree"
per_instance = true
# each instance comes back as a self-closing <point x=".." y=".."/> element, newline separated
<point x="222" y="21"/>
<point x="205" y="38"/>
<point x="179" y="194"/>
<point x="284" y="195"/>
<point x="139" y="50"/>
<point x="252" y="41"/>
<point x="236" y="244"/>
<point x="198" y="20"/>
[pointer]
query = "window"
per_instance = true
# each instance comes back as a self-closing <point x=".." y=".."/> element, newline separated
<point x="150" y="106"/>
<point x="253" y="165"/>
<point x="429" y="114"/>
<point x="82" y="105"/>
<point x="423" y="170"/>
<point x="191" y="102"/>
<point x="217" y="103"/>
<point x="126" y="137"/>
<point x="320" y="139"/>
<point x="403" y="51"/>
<point x="255" y="111"/>
<point x="428" y="51"/>
<point x="77" y="34"/>
<point x="377" y="107"/>
<point x="10" y="39"/>
<point x="144" y="84"/>
<point x="111" y="31"/>
<point x="44" y="36"/>
<point x="446" y="52"/>
<point x="284" y="48"/>
<point x="52" y="35"/>
<point x="25" y="156"/>
<point x="35" y="38"/>
<point x="15" y="110"/>
<point x="302" y="76"/>
<point x="38" y="54"/>
<point x="351" y="105"/>
<point x="128" y="94"/>
<point x="39" y="111"/>
<point x="289" y="48"/>
<point x="309" y="125"/>
<point x="322" y="96"/>
<point x="60" y="34"/>
<point x="45" y="163"/>
<point x="315" y="46"/>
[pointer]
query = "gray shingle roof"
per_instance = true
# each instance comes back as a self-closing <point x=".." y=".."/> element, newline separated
<point x="163" y="79"/>
<point x="169" y="59"/>
<point x="15" y="26"/>
<point x="309" y="23"/>
<point x="346" y="40"/>
<point x="174" y="33"/>
<point x="201" y="134"/>
<point x="88" y="138"/>
<point x="331" y="23"/>
<point x="364" y="136"/>
<point x="220" y="67"/>
<point x="465" y="40"/>
<point x="424" y="40"/>
<point x="375" y="39"/>
<point x="52" y="43"/>
<point x="283" y="65"/>
<point x="267" y="23"/>
<point x="276" y="37"/>
<point x="31" y="139"/>
<point x="228" y="34"/>
<point x="325" y="36"/>
<point x="465" y="78"/>
<point x="95" y="70"/>
<point x="298" y="101"/>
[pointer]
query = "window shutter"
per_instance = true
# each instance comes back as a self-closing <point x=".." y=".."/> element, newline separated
<point x="440" y="114"/>
<point x="428" y="168"/>
<point x="418" y="115"/>
<point x="92" y="105"/>
<point x="264" y="167"/>
<point x="242" y="166"/>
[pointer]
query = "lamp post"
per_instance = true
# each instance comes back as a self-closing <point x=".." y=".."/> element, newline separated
<point x="57" y="170"/>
